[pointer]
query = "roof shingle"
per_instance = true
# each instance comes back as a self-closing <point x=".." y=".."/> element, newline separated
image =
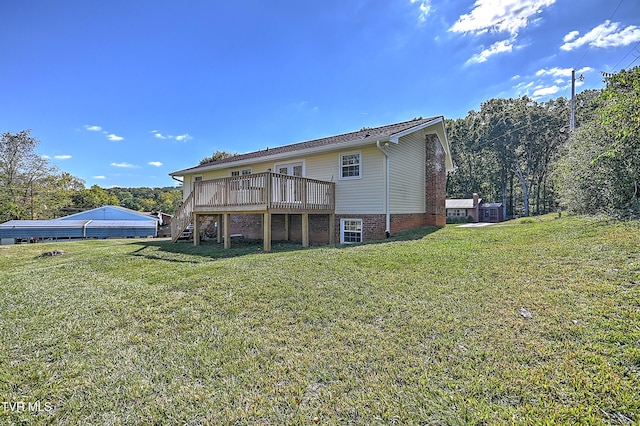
<point x="362" y="134"/>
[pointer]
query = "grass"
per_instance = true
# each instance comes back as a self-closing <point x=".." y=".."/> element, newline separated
<point x="420" y="329"/>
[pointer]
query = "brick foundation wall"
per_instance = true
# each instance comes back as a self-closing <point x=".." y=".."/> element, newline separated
<point x="250" y="226"/>
<point x="373" y="226"/>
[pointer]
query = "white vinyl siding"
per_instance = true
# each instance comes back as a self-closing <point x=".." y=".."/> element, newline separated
<point x="353" y="196"/>
<point x="408" y="174"/>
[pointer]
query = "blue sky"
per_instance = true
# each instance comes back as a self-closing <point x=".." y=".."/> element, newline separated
<point x="122" y="92"/>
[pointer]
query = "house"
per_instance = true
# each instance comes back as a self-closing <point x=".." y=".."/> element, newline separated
<point x="463" y="208"/>
<point x="101" y="222"/>
<point x="354" y="187"/>
<point x="491" y="212"/>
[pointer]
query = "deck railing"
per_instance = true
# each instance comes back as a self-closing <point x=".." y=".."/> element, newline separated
<point x="264" y="191"/>
<point x="182" y="218"/>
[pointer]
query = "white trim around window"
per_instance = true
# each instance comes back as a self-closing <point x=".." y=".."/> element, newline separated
<point x="351" y="231"/>
<point x="240" y="172"/>
<point x="350" y="165"/>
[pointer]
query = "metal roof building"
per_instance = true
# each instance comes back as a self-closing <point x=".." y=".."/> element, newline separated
<point x="103" y="222"/>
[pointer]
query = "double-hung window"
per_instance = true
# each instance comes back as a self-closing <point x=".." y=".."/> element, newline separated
<point x="350" y="166"/>
<point x="350" y="230"/>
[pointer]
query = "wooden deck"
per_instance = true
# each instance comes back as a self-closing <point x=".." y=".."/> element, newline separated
<point x="266" y="193"/>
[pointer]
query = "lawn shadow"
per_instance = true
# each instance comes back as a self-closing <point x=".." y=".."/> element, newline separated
<point x="210" y="250"/>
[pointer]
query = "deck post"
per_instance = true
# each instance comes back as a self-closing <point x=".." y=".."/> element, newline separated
<point x="266" y="230"/>
<point x="219" y="228"/>
<point x="226" y="236"/>
<point x="332" y="226"/>
<point x="286" y="227"/>
<point x="305" y="230"/>
<point x="196" y="230"/>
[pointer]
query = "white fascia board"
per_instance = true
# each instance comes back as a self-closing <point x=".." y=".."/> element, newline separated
<point x="278" y="157"/>
<point x="396" y="137"/>
<point x="441" y="132"/>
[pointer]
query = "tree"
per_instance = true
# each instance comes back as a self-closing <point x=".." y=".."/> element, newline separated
<point x="30" y="188"/>
<point x="93" y="197"/>
<point x="217" y="156"/>
<point x="600" y="169"/>
<point x="621" y="121"/>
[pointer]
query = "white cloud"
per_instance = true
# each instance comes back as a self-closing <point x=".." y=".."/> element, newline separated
<point x="571" y="36"/>
<point x="113" y="137"/>
<point x="494" y="49"/>
<point x="92" y="128"/>
<point x="46" y="157"/>
<point x="544" y="91"/>
<point x="179" y="138"/>
<point x="608" y="34"/>
<point x="125" y="165"/>
<point x="561" y="72"/>
<point x="425" y="8"/>
<point x="99" y="177"/>
<point x="158" y="135"/>
<point x="154" y="163"/>
<point x="499" y="16"/>
<point x="62" y="157"/>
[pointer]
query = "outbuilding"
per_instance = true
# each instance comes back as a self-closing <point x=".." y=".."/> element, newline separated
<point x="101" y="222"/>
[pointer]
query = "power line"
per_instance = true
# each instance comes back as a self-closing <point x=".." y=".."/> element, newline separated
<point x="599" y="34"/>
<point x="625" y="57"/>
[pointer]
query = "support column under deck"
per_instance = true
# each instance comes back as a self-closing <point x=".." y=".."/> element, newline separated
<point x="196" y="230"/>
<point x="266" y="230"/>
<point x="219" y="228"/>
<point x="226" y="234"/>
<point x="305" y="230"/>
<point x="332" y="229"/>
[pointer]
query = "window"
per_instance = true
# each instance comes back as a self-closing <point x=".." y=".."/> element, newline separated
<point x="350" y="230"/>
<point x="241" y="172"/>
<point x="195" y="179"/>
<point x="350" y="166"/>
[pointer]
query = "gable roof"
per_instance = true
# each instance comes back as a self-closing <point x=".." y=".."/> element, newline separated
<point x="391" y="132"/>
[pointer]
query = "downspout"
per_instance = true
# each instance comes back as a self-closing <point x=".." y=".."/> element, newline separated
<point x="84" y="229"/>
<point x="387" y="190"/>
<point x="177" y="180"/>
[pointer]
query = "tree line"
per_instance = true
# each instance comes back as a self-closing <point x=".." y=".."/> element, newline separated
<point x="32" y="188"/>
<point x="522" y="153"/>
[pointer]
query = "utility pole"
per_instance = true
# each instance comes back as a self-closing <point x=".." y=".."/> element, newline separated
<point x="572" y="122"/>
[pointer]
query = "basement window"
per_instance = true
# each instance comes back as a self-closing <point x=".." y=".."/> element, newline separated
<point x="350" y="166"/>
<point x="350" y="230"/>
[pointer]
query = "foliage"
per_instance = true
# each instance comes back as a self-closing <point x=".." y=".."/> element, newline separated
<point x="421" y="329"/>
<point x="92" y="198"/>
<point x="30" y="187"/>
<point x="217" y="156"/>
<point x="166" y="199"/>
<point x="600" y="172"/>
<point x="508" y="139"/>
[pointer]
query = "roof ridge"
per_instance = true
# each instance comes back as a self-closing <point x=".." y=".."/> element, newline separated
<point x="353" y="136"/>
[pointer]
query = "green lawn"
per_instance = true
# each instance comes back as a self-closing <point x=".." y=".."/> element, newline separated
<point x="424" y="328"/>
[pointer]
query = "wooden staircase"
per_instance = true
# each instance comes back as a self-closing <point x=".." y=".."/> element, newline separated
<point x="184" y="217"/>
